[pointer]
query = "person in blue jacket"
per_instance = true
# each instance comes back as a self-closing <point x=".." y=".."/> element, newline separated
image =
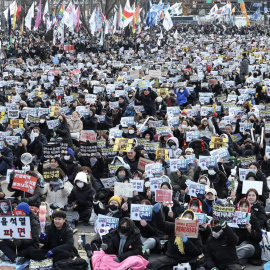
<point x="182" y="95"/>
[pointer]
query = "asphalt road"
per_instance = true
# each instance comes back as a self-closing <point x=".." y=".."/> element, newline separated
<point x="90" y="229"/>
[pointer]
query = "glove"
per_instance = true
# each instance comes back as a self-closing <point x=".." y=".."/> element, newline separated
<point x="184" y="238"/>
<point x="223" y="224"/>
<point x="43" y="236"/>
<point x="60" y="183"/>
<point x="104" y="246"/>
<point x="26" y="200"/>
<point x="50" y="253"/>
<point x="233" y="172"/>
<point x="116" y="260"/>
<point x="42" y="183"/>
<point x="156" y="208"/>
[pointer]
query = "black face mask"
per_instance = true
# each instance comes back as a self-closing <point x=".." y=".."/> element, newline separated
<point x="210" y="202"/>
<point x="248" y="147"/>
<point x="216" y="228"/>
<point x="124" y="229"/>
<point x="113" y="207"/>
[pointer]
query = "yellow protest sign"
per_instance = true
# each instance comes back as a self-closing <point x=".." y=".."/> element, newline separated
<point x="122" y="144"/>
<point x="16" y="123"/>
<point x="162" y="153"/>
<point x="218" y="142"/>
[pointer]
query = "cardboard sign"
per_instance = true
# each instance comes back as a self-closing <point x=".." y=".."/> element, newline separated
<point x="163" y="195"/>
<point x="15" y="227"/>
<point x="50" y="174"/>
<point x="24" y="182"/>
<point x="106" y="221"/>
<point x="247" y="184"/>
<point x="143" y="162"/>
<point x="87" y="135"/>
<point x="189" y="228"/>
<point x="141" y="212"/>
<point x="5" y="208"/>
<point x="138" y="185"/>
<point x="223" y="212"/>
<point x="123" y="189"/>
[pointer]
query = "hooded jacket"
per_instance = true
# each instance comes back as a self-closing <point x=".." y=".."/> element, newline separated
<point x="200" y="204"/>
<point x="181" y="97"/>
<point x="177" y="151"/>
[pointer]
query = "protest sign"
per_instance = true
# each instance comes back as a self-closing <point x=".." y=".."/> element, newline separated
<point x="207" y="162"/>
<point x="190" y="159"/>
<point x="89" y="149"/>
<point x="24" y="182"/>
<point x="51" y="150"/>
<point x="178" y="164"/>
<point x="13" y="114"/>
<point x="247" y="184"/>
<point x="163" y="195"/>
<point x="106" y="221"/>
<point x="155" y="183"/>
<point x="88" y="135"/>
<point x="162" y="153"/>
<point x="33" y="119"/>
<point x="153" y="169"/>
<point x="142" y="162"/>
<point x="138" y="185"/>
<point x="221" y="153"/>
<point x="189" y="228"/>
<point x="141" y="212"/>
<point x="122" y="144"/>
<point x="240" y="219"/>
<point x="192" y="135"/>
<point x="108" y="182"/>
<point x="201" y="218"/>
<point x="108" y="152"/>
<point x="245" y="161"/>
<point x="13" y="139"/>
<point x="127" y="121"/>
<point x="123" y="189"/>
<point x="15" y="227"/>
<point x="245" y="126"/>
<point x="50" y="174"/>
<point x="113" y="168"/>
<point x="143" y="84"/>
<point x="16" y="123"/>
<point x="5" y="208"/>
<point x="195" y="189"/>
<point x="38" y="265"/>
<point x="244" y="172"/>
<point x="267" y="151"/>
<point x="223" y="212"/>
<point x="163" y="131"/>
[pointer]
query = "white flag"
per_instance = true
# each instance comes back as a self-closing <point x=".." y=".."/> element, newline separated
<point x="68" y="16"/>
<point x="46" y="17"/>
<point x="92" y="22"/>
<point x="167" y="22"/>
<point x="120" y="17"/>
<point x="29" y="16"/>
<point x="12" y="9"/>
<point x="213" y="10"/>
<point x="114" y="23"/>
<point x="175" y="34"/>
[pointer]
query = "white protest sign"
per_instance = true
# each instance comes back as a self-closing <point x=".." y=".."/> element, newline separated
<point x="123" y="189"/>
<point x="244" y="172"/>
<point x="138" y="185"/>
<point x="106" y="221"/>
<point x="153" y="169"/>
<point x="247" y="184"/>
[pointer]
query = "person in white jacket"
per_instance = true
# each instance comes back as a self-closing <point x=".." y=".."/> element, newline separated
<point x="57" y="193"/>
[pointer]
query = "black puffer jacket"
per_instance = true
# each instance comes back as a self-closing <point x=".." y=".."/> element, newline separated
<point x="132" y="247"/>
<point x="82" y="196"/>
<point x="72" y="169"/>
<point x="193" y="247"/>
<point x="64" y="241"/>
<point x="260" y="213"/>
<point x="221" y="252"/>
<point x="63" y="132"/>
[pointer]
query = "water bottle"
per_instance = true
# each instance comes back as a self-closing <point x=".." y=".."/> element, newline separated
<point x="80" y="247"/>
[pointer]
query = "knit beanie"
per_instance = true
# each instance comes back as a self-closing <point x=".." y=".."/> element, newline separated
<point x="115" y="198"/>
<point x="24" y="207"/>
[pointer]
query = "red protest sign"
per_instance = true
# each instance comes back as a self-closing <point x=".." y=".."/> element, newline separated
<point x="163" y="195"/>
<point x="143" y="162"/>
<point x="69" y="48"/>
<point x="87" y="135"/>
<point x="55" y="71"/>
<point x="24" y="182"/>
<point x="189" y="228"/>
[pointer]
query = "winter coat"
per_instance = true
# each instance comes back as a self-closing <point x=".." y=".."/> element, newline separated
<point x="82" y="196"/>
<point x="193" y="247"/>
<point x="178" y="183"/>
<point x="148" y="101"/>
<point x="260" y="213"/>
<point x="244" y="67"/>
<point x="45" y="130"/>
<point x="221" y="252"/>
<point x="75" y="125"/>
<point x="181" y="97"/>
<point x="7" y="156"/>
<point x="132" y="247"/>
<point x="72" y="169"/>
<point x="59" y="197"/>
<point x="90" y="123"/>
<point x="63" y="132"/>
<point x="36" y="147"/>
<point x="65" y="241"/>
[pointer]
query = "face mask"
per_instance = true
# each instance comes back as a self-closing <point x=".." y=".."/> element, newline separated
<point x="124" y="229"/>
<point x="216" y="235"/>
<point x="131" y="131"/>
<point x="216" y="228"/>
<point x="210" y="202"/>
<point x="41" y="121"/>
<point x="93" y="161"/>
<point x="113" y="207"/>
<point x="130" y="96"/>
<point x="184" y="126"/>
<point x="52" y="102"/>
<point x="248" y="147"/>
<point x="35" y="134"/>
<point x="66" y="157"/>
<point x="79" y="184"/>
<point x="173" y="147"/>
<point x="211" y="172"/>
<point x="181" y="91"/>
<point x="184" y="218"/>
<point x="121" y="177"/>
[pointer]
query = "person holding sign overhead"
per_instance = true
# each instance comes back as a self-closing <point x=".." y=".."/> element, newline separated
<point x="180" y="249"/>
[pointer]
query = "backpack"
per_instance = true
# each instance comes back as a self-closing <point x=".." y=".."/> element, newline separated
<point x="265" y="245"/>
<point x="71" y="264"/>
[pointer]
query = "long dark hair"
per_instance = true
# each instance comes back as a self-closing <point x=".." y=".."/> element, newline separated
<point x="130" y="224"/>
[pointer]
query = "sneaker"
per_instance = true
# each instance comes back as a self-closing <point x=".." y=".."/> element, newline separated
<point x="4" y="258"/>
<point x="20" y="260"/>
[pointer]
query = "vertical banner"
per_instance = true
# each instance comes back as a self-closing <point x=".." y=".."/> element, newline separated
<point x="244" y="12"/>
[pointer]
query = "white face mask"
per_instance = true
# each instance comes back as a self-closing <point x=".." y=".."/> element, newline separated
<point x="182" y="90"/>
<point x="79" y="184"/>
<point x="42" y="121"/>
<point x="184" y="126"/>
<point x="66" y="157"/>
<point x="35" y="134"/>
<point x="211" y="172"/>
<point x="131" y="131"/>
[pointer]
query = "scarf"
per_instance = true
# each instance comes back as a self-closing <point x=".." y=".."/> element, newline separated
<point x="123" y="239"/>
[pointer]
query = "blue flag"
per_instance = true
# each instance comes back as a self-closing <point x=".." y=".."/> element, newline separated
<point x="257" y="14"/>
<point x="153" y="15"/>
